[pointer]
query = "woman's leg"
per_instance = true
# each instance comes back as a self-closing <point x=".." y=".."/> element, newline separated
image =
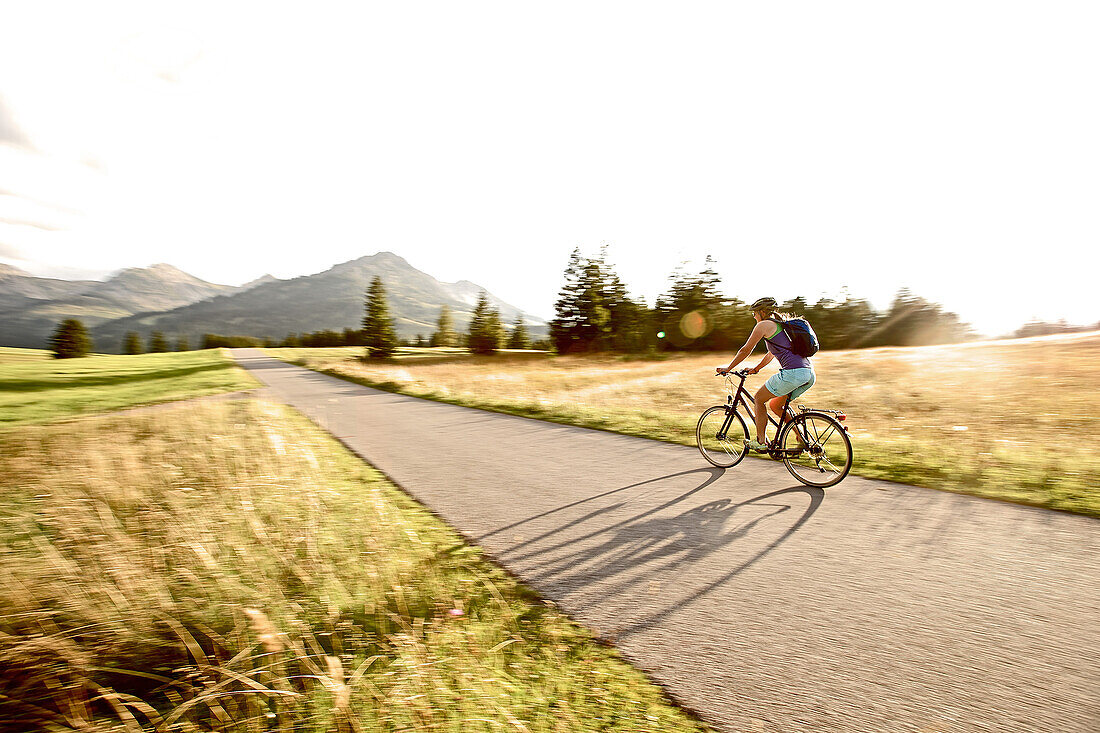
<point x="777" y="407"/>
<point x="776" y="403"/>
<point x="761" y="413"/>
<point x="795" y="394"/>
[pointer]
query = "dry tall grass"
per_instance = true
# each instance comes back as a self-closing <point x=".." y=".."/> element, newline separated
<point x="1009" y="419"/>
<point x="228" y="567"/>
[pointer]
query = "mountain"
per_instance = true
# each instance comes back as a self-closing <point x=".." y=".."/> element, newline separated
<point x="333" y="299"/>
<point x="14" y="281"/>
<point x="158" y="287"/>
<point x="259" y="281"/>
<point x="31" y="307"/>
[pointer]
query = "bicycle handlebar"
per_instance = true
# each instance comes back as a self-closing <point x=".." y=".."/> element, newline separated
<point x="736" y="373"/>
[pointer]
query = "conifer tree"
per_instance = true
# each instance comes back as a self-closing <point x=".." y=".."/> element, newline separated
<point x="914" y="321"/>
<point x="378" y="330"/>
<point x="157" y="343"/>
<point x="593" y="311"/>
<point x="495" y="329"/>
<point x="132" y="344"/>
<point x="692" y="308"/>
<point x="484" y="334"/>
<point x="445" y="329"/>
<point x="572" y="328"/>
<point x="70" y="340"/>
<point x="182" y="344"/>
<point x="519" y="339"/>
<point x="629" y="321"/>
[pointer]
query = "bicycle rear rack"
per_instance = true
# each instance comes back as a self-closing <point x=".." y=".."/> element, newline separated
<point x="839" y="414"/>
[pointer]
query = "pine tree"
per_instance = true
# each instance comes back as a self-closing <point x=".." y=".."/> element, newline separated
<point x="485" y="328"/>
<point x="629" y="325"/>
<point x="519" y="338"/>
<point x="495" y="329"/>
<point x="914" y="321"/>
<point x="575" y="325"/>
<point x="70" y="340"/>
<point x="157" y="343"/>
<point x="182" y="344"/>
<point x="692" y="308"/>
<point x="378" y="331"/>
<point x="593" y="311"/>
<point x="445" y="329"/>
<point x="132" y="344"/>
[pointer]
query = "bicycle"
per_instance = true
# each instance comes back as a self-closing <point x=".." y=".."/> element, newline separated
<point x="802" y="441"/>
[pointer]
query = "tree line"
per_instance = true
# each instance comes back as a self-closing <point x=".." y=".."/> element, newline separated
<point x="71" y="340"/>
<point x="595" y="313"/>
<point x="486" y="333"/>
<point x="1046" y="328"/>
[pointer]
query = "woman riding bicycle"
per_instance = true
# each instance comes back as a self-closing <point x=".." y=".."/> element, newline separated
<point x="796" y="373"/>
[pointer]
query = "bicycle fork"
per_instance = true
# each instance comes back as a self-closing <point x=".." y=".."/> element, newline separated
<point x="724" y="430"/>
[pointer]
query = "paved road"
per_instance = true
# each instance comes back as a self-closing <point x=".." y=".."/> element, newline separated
<point x="758" y="603"/>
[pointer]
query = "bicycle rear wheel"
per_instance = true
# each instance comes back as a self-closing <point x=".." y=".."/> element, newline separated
<point x="721" y="434"/>
<point x="816" y="449"/>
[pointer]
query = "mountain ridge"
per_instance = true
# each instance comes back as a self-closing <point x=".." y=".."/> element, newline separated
<point x="162" y="297"/>
<point x="31" y="307"/>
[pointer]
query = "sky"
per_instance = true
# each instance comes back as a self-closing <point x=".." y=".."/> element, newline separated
<point x="812" y="149"/>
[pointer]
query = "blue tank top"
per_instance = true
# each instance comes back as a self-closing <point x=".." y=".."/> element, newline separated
<point x="779" y="345"/>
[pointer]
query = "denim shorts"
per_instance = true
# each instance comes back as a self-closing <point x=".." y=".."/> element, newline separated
<point x="794" y="382"/>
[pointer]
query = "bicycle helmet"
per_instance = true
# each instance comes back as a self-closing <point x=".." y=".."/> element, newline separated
<point x="765" y="304"/>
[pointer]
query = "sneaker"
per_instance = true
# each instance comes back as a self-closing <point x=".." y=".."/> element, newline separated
<point x="756" y="446"/>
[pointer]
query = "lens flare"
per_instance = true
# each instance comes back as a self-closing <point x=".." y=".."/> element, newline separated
<point x="694" y="325"/>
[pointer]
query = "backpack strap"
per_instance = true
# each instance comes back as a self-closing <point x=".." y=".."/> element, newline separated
<point x="782" y="328"/>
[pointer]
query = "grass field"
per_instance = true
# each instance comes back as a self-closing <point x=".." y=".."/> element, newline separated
<point x="227" y="566"/>
<point x="425" y="355"/>
<point x="12" y="355"/>
<point x="1004" y="419"/>
<point x="34" y="389"/>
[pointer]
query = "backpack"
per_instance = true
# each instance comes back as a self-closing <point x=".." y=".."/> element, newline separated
<point x="803" y="339"/>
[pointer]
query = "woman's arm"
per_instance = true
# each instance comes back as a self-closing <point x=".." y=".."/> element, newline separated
<point x="754" y="339"/>
<point x="763" y="362"/>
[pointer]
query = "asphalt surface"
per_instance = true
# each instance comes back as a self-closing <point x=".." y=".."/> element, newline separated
<point x="760" y="604"/>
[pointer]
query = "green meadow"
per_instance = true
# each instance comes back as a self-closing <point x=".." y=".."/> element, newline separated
<point x="12" y="355"/>
<point x="36" y="388"/>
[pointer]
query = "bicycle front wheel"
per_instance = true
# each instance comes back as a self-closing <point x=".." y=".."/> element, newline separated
<point x="721" y="434"/>
<point x="816" y="449"/>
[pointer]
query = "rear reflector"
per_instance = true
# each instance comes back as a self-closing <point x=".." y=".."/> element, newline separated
<point x="842" y="416"/>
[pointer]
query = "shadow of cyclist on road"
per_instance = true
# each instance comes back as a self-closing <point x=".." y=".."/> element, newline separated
<point x="687" y="555"/>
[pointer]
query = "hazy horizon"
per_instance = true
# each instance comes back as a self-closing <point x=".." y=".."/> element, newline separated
<point x="105" y="275"/>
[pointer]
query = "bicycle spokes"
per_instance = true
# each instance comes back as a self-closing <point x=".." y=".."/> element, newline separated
<point x="816" y="450"/>
<point x="720" y="435"/>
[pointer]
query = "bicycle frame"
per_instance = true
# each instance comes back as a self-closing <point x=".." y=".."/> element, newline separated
<point x="741" y="398"/>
